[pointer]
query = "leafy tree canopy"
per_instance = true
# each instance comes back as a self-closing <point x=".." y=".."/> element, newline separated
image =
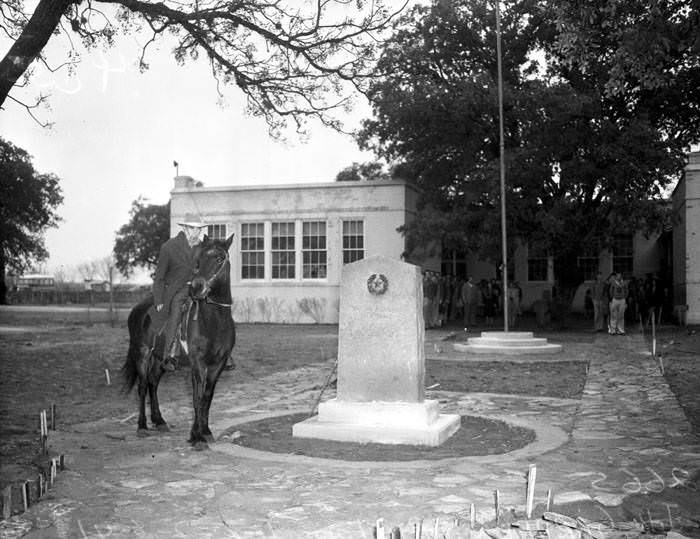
<point x="362" y="172"/>
<point x="139" y="241"/>
<point x="582" y="163"/>
<point x="636" y="46"/>
<point x="293" y="60"/>
<point x="28" y="203"/>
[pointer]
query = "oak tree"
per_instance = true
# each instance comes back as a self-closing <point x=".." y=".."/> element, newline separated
<point x="28" y="204"/>
<point x="582" y="163"/>
<point x="138" y="242"/>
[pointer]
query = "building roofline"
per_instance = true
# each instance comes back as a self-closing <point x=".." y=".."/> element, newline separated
<point x="692" y="163"/>
<point x="290" y="186"/>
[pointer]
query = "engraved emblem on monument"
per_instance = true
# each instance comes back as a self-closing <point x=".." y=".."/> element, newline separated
<point x="377" y="284"/>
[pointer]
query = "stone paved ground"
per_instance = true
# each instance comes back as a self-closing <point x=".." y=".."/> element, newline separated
<point x="627" y="436"/>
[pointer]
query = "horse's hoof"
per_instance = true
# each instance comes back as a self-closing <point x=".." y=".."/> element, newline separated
<point x="200" y="446"/>
<point x="142" y="433"/>
<point x="163" y="427"/>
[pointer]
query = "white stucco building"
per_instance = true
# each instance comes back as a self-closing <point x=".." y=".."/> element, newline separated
<point x="686" y="242"/>
<point x="291" y="241"/>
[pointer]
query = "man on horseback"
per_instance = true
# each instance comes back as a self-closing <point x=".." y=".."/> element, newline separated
<point x="170" y="284"/>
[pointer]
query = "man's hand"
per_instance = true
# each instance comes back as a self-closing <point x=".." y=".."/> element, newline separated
<point x="159" y="307"/>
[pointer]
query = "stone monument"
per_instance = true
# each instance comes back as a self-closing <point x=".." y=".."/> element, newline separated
<point x="381" y="362"/>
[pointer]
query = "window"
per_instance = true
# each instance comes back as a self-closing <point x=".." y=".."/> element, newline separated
<point x="252" y="250"/>
<point x="623" y="253"/>
<point x="537" y="264"/>
<point x="216" y="232"/>
<point x="588" y="263"/>
<point x="353" y="241"/>
<point x="283" y="251"/>
<point x="313" y="250"/>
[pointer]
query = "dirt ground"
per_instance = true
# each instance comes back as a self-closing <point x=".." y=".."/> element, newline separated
<point x="60" y="359"/>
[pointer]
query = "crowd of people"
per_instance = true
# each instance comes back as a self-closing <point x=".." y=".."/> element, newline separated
<point x="447" y="298"/>
<point x="613" y="300"/>
<point x="609" y="302"/>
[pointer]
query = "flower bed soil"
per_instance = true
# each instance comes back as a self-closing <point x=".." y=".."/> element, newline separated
<point x="477" y="436"/>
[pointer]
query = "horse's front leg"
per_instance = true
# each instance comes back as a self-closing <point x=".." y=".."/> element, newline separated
<point x="208" y="395"/>
<point x="197" y="438"/>
<point x="156" y="417"/>
<point x="142" y="429"/>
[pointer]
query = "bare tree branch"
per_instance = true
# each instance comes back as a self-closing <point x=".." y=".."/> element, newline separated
<point x="291" y="60"/>
<point x="29" y="108"/>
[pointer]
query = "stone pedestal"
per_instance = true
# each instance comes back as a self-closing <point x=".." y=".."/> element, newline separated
<point x="381" y="362"/>
<point x="410" y="423"/>
<point x="511" y="342"/>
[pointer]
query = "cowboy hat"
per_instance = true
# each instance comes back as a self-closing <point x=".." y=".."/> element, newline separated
<point x="192" y="220"/>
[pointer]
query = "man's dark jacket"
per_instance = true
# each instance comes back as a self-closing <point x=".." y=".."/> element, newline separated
<point x="175" y="269"/>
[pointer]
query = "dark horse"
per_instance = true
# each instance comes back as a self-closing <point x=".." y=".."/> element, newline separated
<point x="208" y="335"/>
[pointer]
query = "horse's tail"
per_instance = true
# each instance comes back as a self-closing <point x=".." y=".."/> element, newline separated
<point x="137" y="331"/>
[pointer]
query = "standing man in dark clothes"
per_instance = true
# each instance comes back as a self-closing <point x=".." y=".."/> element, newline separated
<point x="171" y="282"/>
<point x="600" y="303"/>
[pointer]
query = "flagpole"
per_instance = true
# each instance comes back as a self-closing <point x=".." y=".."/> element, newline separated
<point x="501" y="147"/>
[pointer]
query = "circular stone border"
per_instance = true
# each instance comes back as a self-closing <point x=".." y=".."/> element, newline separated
<point x="547" y="438"/>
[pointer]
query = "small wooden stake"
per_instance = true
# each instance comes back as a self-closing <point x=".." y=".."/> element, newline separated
<point x="44" y="432"/>
<point x="7" y="502"/>
<point x="661" y="364"/>
<point x="25" y="495"/>
<point x="395" y="533"/>
<point x="653" y="333"/>
<point x="379" y="529"/>
<point x="497" y="503"/>
<point x="435" y="529"/>
<point x="52" y="472"/>
<point x="529" y="499"/>
<point x="61" y="462"/>
<point x="472" y="516"/>
<point x="41" y="485"/>
<point x="109" y="382"/>
<point x="419" y="529"/>
<point x="549" y="500"/>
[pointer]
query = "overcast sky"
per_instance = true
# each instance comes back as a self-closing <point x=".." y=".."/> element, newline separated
<point x="117" y="131"/>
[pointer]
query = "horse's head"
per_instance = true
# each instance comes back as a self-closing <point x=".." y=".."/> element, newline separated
<point x="212" y="267"/>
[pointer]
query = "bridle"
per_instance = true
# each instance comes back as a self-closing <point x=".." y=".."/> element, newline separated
<point x="208" y="282"/>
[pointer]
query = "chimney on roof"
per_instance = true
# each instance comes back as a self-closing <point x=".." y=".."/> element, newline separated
<point x="186" y="182"/>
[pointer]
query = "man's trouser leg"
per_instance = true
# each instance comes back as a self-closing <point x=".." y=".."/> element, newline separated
<point x="598" y="317"/>
<point x="621" y="317"/>
<point x="173" y="323"/>
<point x="615" y="315"/>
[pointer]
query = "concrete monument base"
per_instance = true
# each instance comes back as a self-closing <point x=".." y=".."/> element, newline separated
<point x="512" y="342"/>
<point x="413" y="423"/>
